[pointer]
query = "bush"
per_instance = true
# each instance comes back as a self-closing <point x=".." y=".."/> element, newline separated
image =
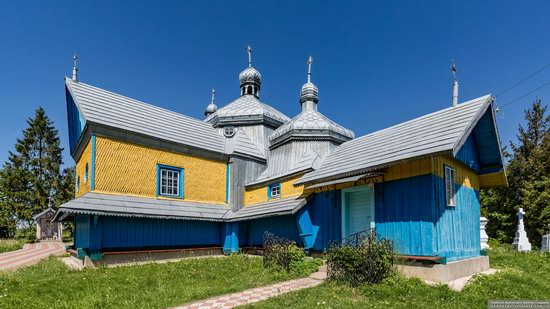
<point x="281" y="253"/>
<point x="362" y="259"/>
<point x="28" y="234"/>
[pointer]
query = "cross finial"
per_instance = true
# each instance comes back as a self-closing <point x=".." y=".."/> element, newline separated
<point x="453" y="68"/>
<point x="249" y="51"/>
<point x="309" y="62"/>
<point x="75" y="68"/>
<point x="213" y="95"/>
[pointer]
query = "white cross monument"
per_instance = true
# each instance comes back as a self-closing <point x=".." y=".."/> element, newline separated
<point x="521" y="243"/>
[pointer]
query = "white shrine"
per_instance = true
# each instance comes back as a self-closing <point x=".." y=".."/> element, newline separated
<point x="521" y="242"/>
<point x="483" y="237"/>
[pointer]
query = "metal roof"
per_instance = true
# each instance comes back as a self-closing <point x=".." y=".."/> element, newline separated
<point x="247" y="108"/>
<point x="311" y="123"/>
<point x="241" y="143"/>
<point x="114" y="110"/>
<point x="441" y="131"/>
<point x="129" y="206"/>
<point x="273" y="207"/>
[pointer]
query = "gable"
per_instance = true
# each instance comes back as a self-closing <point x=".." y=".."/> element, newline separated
<point x="75" y="121"/>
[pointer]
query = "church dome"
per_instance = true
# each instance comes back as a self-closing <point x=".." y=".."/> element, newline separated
<point x="309" y="92"/>
<point x="250" y="75"/>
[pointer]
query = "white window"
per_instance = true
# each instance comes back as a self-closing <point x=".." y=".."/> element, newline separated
<point x="169" y="182"/>
<point x="450" y="194"/>
<point x="77" y="187"/>
<point x="275" y="190"/>
<point x="86" y="173"/>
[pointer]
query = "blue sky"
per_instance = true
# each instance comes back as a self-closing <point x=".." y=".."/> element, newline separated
<point x="377" y="63"/>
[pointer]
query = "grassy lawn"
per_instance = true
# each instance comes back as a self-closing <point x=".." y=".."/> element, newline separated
<point x="11" y="244"/>
<point x="51" y="284"/>
<point x="522" y="276"/>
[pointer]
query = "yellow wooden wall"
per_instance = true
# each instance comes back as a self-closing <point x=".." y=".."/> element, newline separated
<point x="129" y="169"/>
<point x="463" y="175"/>
<point x="85" y="158"/>
<point x="259" y="194"/>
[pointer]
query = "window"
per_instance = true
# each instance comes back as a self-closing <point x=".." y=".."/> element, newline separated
<point x="77" y="186"/>
<point x="450" y="193"/>
<point x="169" y="181"/>
<point x="274" y="190"/>
<point x="86" y="173"/>
<point x="229" y="131"/>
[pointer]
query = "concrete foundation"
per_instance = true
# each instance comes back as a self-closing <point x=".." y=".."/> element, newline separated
<point x="444" y="273"/>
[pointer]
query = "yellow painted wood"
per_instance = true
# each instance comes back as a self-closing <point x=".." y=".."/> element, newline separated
<point x="463" y="174"/>
<point x="85" y="158"/>
<point x="129" y="169"/>
<point x="493" y="180"/>
<point x="259" y="194"/>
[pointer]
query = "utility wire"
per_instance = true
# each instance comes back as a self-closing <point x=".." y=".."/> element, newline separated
<point x="523" y="96"/>
<point x="524" y="79"/>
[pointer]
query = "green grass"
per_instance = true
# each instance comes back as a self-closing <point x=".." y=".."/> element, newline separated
<point x="51" y="284"/>
<point x="522" y="276"/>
<point x="7" y="245"/>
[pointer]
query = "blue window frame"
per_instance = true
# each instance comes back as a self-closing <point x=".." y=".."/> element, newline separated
<point x="169" y="181"/>
<point x="274" y="190"/>
<point x="86" y="173"/>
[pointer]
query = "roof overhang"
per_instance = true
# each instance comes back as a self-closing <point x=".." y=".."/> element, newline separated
<point x="342" y="180"/>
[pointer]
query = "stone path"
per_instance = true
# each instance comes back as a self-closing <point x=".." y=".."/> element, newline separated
<point x="30" y="254"/>
<point x="259" y="294"/>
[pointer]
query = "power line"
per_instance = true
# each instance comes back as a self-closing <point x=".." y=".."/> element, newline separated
<point x="523" y="96"/>
<point x="524" y="79"/>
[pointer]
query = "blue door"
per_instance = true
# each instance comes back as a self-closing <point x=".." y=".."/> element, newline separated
<point x="358" y="210"/>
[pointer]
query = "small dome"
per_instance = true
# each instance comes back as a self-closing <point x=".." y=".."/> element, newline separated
<point x="210" y="109"/>
<point x="309" y="92"/>
<point x="250" y="75"/>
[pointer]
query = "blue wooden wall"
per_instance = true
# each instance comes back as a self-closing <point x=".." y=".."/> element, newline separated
<point x="110" y="232"/>
<point x="251" y="233"/>
<point x="326" y="212"/>
<point x="456" y="228"/>
<point x="404" y="213"/>
<point x="75" y="121"/>
<point x="469" y="155"/>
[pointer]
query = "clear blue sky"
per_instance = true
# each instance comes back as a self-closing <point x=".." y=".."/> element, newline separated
<point x="376" y="63"/>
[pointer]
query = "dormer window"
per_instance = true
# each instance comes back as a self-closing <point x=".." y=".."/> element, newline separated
<point x="229" y="131"/>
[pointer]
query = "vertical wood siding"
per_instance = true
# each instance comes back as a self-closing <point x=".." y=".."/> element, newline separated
<point x="74" y="120"/>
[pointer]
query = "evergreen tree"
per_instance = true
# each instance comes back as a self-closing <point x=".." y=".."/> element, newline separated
<point x="528" y="174"/>
<point x="31" y="176"/>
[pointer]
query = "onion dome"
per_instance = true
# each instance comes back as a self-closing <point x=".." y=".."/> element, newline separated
<point x="310" y="124"/>
<point x="211" y="108"/>
<point x="250" y="79"/>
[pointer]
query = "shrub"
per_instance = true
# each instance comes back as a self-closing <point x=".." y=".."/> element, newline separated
<point x="362" y="259"/>
<point x="281" y="253"/>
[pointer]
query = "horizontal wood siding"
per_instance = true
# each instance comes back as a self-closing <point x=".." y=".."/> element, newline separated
<point x="404" y="214"/>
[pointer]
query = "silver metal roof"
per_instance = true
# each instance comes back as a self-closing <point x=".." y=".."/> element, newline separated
<point x="129" y="206"/>
<point x="444" y="130"/>
<point x="311" y="123"/>
<point x="114" y="110"/>
<point x="274" y="207"/>
<point x="247" y="108"/>
<point x="310" y="160"/>
<point x="241" y="143"/>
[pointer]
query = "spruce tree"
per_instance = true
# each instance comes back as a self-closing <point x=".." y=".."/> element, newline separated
<point x="31" y="177"/>
<point x="528" y="172"/>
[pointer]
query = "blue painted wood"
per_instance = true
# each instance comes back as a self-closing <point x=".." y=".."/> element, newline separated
<point x="130" y="232"/>
<point x="325" y="211"/>
<point x="487" y="142"/>
<point x="251" y="233"/>
<point x="456" y="228"/>
<point x="82" y="231"/>
<point x="403" y="214"/>
<point x="74" y="120"/>
<point x="227" y="181"/>
<point x="308" y="231"/>
<point x="231" y="238"/>
<point x="468" y="154"/>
